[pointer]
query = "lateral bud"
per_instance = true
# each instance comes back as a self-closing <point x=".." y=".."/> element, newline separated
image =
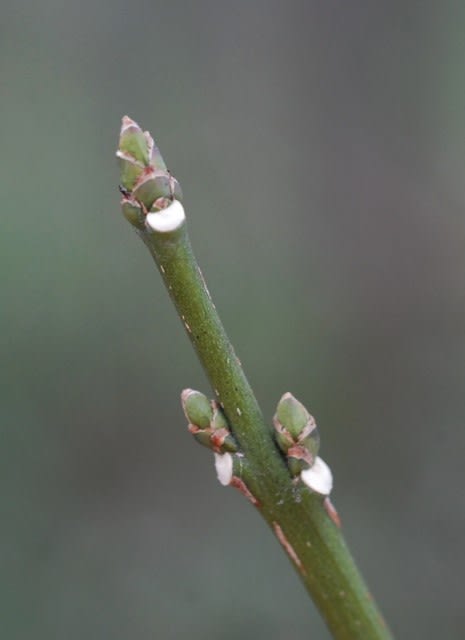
<point x="207" y="422"/>
<point x="296" y="434"/>
<point x="197" y="408"/>
<point x="133" y="211"/>
<point x="153" y="184"/>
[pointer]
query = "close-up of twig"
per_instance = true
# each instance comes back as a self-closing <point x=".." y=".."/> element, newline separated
<point x="273" y="461"/>
<point x="264" y="257"/>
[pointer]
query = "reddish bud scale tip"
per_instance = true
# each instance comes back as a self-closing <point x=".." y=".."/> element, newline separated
<point x="222" y="441"/>
<point x="126" y="122"/>
<point x="185" y="394"/>
<point x="160" y="204"/>
<point x="229" y="445"/>
<point x="132" y="130"/>
<point x="130" y="133"/>
<point x="300" y="453"/>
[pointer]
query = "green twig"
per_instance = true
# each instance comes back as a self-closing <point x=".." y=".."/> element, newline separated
<point x="304" y="521"/>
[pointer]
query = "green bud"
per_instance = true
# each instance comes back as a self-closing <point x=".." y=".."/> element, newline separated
<point x="219" y="419"/>
<point x="299" y="458"/>
<point x="283" y="437"/>
<point x="296" y="434"/>
<point x="296" y="465"/>
<point x="135" y="142"/>
<point x="143" y="171"/>
<point x="197" y="408"/>
<point x="292" y="415"/>
<point x="156" y="159"/>
<point x="207" y="422"/>
<point x="229" y="444"/>
<point x="168" y="187"/>
<point x="222" y="440"/>
<point x="152" y="185"/>
<point x="202" y="437"/>
<point x="312" y="443"/>
<point x="131" y="169"/>
<point x="132" y="211"/>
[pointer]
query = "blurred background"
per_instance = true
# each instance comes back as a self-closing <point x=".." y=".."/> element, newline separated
<point x="320" y="148"/>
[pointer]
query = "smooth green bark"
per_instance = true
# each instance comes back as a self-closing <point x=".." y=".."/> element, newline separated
<point x="295" y="514"/>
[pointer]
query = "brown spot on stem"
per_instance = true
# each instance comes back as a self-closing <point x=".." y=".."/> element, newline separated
<point x="288" y="548"/>
<point x="331" y="511"/>
<point x="240" y="484"/>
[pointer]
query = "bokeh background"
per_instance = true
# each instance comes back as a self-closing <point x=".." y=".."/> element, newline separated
<point x="320" y="147"/>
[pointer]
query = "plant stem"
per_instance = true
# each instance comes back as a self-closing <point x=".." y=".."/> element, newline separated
<point x="303" y="521"/>
<point x="296" y="515"/>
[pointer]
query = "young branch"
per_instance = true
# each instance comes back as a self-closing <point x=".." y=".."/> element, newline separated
<point x="281" y="474"/>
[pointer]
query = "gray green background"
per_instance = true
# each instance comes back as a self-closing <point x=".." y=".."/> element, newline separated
<point x="320" y="146"/>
